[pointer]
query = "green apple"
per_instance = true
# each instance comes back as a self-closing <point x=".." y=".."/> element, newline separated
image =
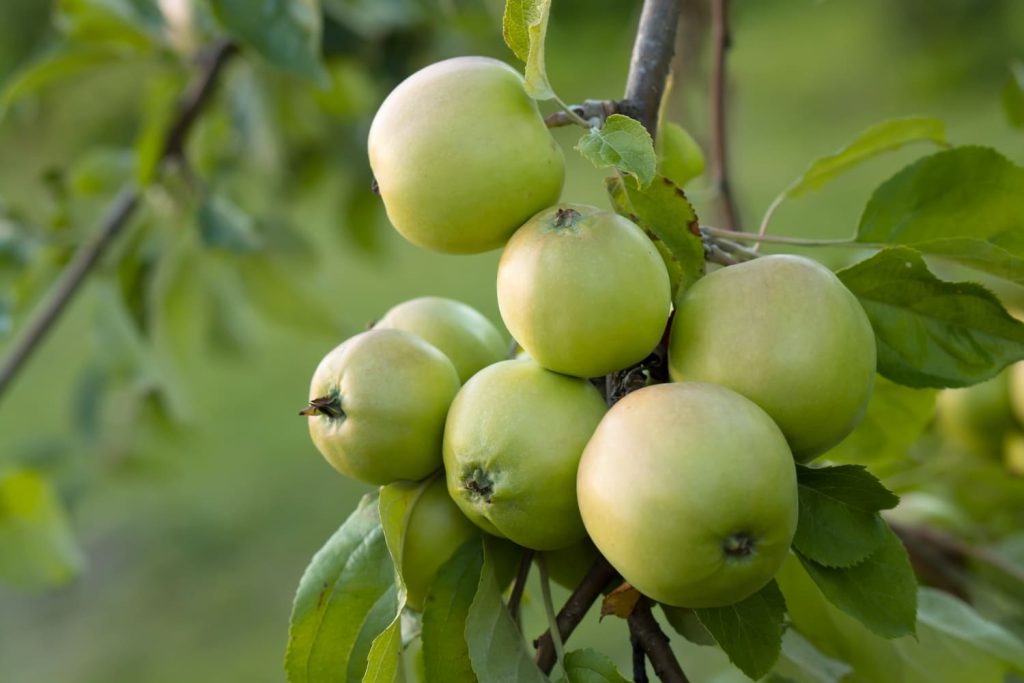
<point x="462" y="156"/>
<point x="377" y="406"/>
<point x="462" y="333"/>
<point x="583" y="291"/>
<point x="689" y="490"/>
<point x="787" y="334"/>
<point x="434" y="529"/>
<point x="1013" y="452"/>
<point x="512" y="443"/>
<point x="1016" y="372"/>
<point x="976" y="418"/>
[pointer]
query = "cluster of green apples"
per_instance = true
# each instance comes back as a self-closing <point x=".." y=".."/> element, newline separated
<point x="987" y="420"/>
<point x="687" y="487"/>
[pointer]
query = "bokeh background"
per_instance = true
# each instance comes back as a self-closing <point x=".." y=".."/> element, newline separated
<point x="164" y="407"/>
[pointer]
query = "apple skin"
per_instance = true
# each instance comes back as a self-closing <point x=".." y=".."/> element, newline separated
<point x="393" y="390"/>
<point x="436" y="528"/>
<point x="458" y="330"/>
<point x="462" y="156"/>
<point x="512" y="443"/>
<point x="786" y="333"/>
<point x="689" y="490"/>
<point x="976" y="418"/>
<point x="568" y="566"/>
<point x="583" y="291"/>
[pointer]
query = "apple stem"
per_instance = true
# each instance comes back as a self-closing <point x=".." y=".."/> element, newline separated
<point x="325" y="405"/>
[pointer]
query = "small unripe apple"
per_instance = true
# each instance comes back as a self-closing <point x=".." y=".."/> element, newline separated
<point x="435" y="529"/>
<point x="976" y="418"/>
<point x="583" y="291"/>
<point x="1016" y="372"/>
<point x="459" y="331"/>
<point x="512" y="443"/>
<point x="462" y="156"/>
<point x="377" y="406"/>
<point x="786" y="333"/>
<point x="568" y="566"/>
<point x="689" y="490"/>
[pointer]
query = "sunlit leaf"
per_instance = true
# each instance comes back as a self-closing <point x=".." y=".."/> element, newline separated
<point x="624" y="144"/>
<point x="525" y="26"/>
<point x="932" y="333"/>
<point x="37" y="548"/>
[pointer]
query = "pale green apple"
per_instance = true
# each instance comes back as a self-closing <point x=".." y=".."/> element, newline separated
<point x="435" y="528"/>
<point x="458" y="330"/>
<point x="976" y="418"/>
<point x="377" y="406"/>
<point x="689" y="490"/>
<point x="512" y="443"/>
<point x="787" y="334"/>
<point x="462" y="156"/>
<point x="583" y="291"/>
<point x="568" y="566"/>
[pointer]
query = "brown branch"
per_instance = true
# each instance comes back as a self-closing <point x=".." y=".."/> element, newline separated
<point x="516" y="597"/>
<point x="575" y="608"/>
<point x="639" y="656"/>
<point x="117" y="217"/>
<point x="719" y="151"/>
<point x="595" y="111"/>
<point x="651" y="61"/>
<point x="644" y="628"/>
<point x="940" y="559"/>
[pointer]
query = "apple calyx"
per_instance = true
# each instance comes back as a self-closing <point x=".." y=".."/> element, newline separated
<point x="565" y="218"/>
<point x="478" y="483"/>
<point x="325" y="405"/>
<point x="739" y="545"/>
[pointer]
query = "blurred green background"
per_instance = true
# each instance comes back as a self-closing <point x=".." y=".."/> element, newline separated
<point x="193" y="490"/>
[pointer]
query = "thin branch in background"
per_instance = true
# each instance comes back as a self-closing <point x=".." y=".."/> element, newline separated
<point x="117" y="217"/>
<point x="516" y="598"/>
<point x="575" y="608"/>
<point x="645" y="629"/>
<point x="722" y="39"/>
<point x="594" y="112"/>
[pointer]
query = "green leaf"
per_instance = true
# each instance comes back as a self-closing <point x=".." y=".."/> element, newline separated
<point x="1013" y="95"/>
<point x="396" y="503"/>
<point x="223" y="225"/>
<point x="37" y="548"/>
<point x="839" y="524"/>
<point x="339" y="590"/>
<point x="684" y="622"/>
<point x="932" y="333"/>
<point x="445" y="651"/>
<point x="271" y="286"/>
<point x="496" y="647"/>
<point x="60" y="65"/>
<point x="667" y="216"/>
<point x="957" y="620"/>
<point x="116" y="23"/>
<point x="590" y="666"/>
<point x="963" y="194"/>
<point x="284" y="32"/>
<point x="159" y="109"/>
<point x="880" y="592"/>
<point x="896" y="417"/>
<point x="680" y="158"/>
<point x="801" y="662"/>
<point x="624" y="144"/>
<point x="750" y="631"/>
<point x="101" y="170"/>
<point x="383" y="665"/>
<point x="378" y="619"/>
<point x="880" y="138"/>
<point x="524" y="26"/>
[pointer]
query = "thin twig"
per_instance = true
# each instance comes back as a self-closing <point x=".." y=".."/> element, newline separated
<point x="645" y="629"/>
<point x="782" y="239"/>
<point x="549" y="611"/>
<point x="719" y="118"/>
<point x="592" y="111"/>
<point x="639" y="656"/>
<point x="516" y="597"/>
<point x="117" y="217"/>
<point x="575" y="608"/>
